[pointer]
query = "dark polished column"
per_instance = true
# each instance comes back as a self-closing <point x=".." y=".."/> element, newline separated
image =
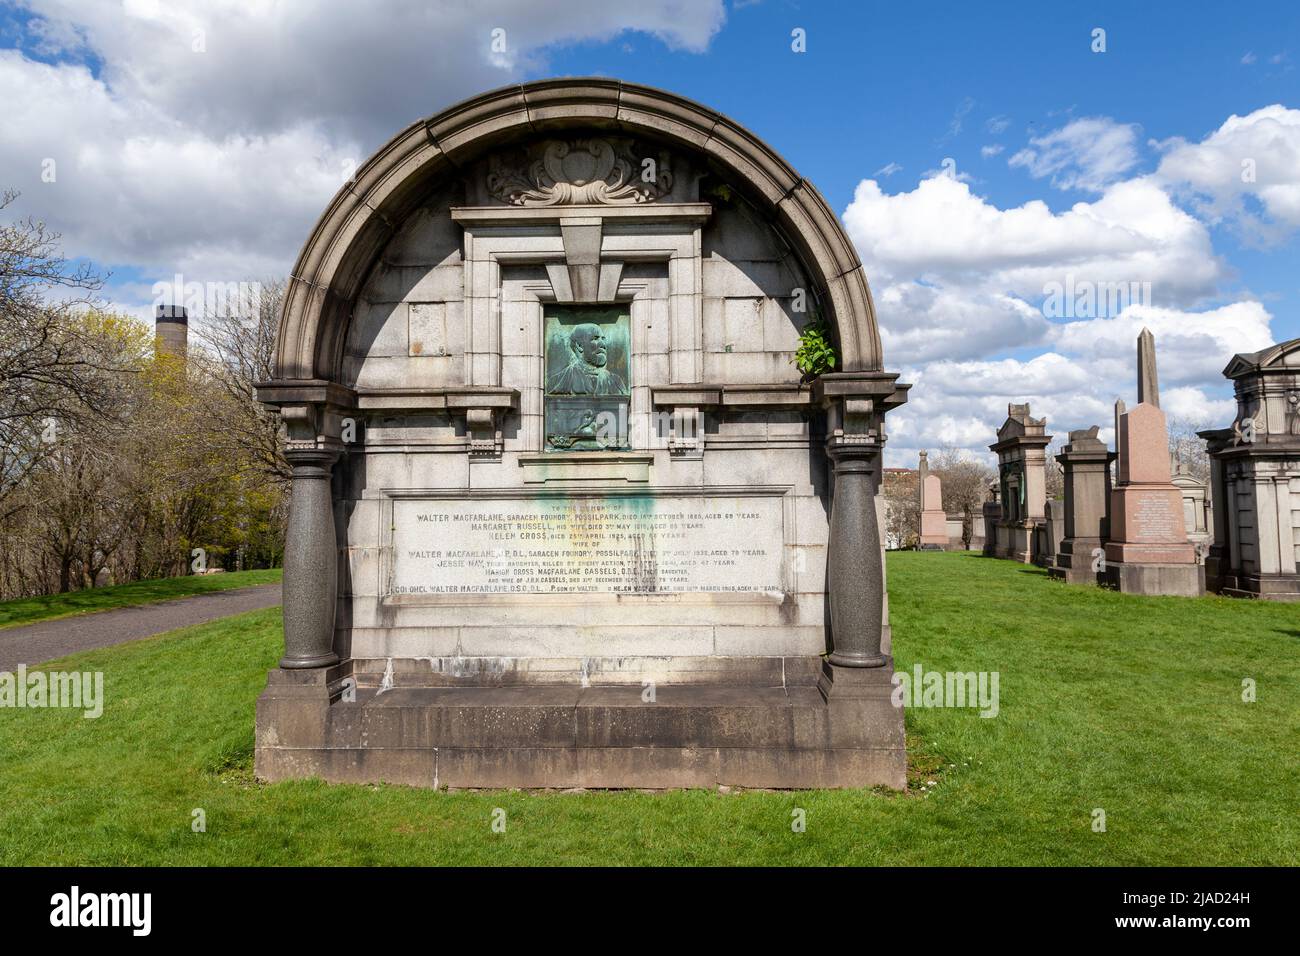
<point x="854" y="572"/>
<point x="310" y="562"/>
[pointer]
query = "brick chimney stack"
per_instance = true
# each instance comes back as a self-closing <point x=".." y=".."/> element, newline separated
<point x="172" y="326"/>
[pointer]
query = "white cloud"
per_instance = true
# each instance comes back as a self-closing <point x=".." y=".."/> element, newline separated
<point x="1249" y="165"/>
<point x="1075" y="382"/>
<point x="133" y="185"/>
<point x="991" y="150"/>
<point x="1087" y="154"/>
<point x="887" y="170"/>
<point x="959" y="283"/>
<point x="940" y="229"/>
<point x="216" y="163"/>
<point x="997" y="125"/>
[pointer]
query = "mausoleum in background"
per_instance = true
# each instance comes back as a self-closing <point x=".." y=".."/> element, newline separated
<point x="564" y="513"/>
<point x="1255" y="479"/>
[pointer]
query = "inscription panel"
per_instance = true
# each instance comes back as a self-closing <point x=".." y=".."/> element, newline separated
<point x="1155" y="518"/>
<point x="642" y="544"/>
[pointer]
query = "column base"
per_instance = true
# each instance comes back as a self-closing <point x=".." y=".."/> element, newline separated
<point x="307" y="663"/>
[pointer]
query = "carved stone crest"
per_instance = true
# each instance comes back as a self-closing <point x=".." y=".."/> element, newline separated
<point x="593" y="170"/>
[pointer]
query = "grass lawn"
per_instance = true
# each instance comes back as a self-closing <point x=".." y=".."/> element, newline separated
<point x="1131" y="705"/>
<point x="31" y="610"/>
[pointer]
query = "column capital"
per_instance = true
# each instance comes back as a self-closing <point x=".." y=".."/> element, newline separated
<point x="853" y="453"/>
<point x="312" y="461"/>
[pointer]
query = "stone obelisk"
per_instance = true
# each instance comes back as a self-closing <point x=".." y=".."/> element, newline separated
<point x="1147" y="551"/>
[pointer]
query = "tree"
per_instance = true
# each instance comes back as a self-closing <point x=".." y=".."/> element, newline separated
<point x="1188" y="447"/>
<point x="1053" y="477"/>
<point x="53" y="371"/>
<point x="965" y="482"/>
<point x="241" y="343"/>
<point x="899" y="488"/>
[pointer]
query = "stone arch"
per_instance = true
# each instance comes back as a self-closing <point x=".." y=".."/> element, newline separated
<point x="367" y="212"/>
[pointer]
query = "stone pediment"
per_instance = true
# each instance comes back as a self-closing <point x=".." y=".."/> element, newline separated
<point x="1011" y="428"/>
<point x="1019" y="423"/>
<point x="1284" y="356"/>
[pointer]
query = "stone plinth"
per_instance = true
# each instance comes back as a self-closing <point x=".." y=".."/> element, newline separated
<point x="825" y="727"/>
<point x="1085" y="460"/>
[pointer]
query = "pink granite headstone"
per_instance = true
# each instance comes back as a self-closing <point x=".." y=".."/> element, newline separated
<point x="1146" y="513"/>
<point x="934" y="523"/>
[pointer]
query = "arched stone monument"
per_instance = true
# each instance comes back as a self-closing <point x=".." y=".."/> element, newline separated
<point x="563" y="511"/>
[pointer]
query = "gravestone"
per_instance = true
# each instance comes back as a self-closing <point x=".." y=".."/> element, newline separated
<point x="1147" y="551"/>
<point x="1197" y="517"/>
<point x="1052" y="533"/>
<point x="1255" y="479"/>
<point x="1022" y="478"/>
<point x="956" y="531"/>
<point x="991" y="514"/>
<point x="934" y="523"/>
<point x="1086" y="461"/>
<point x="564" y="513"/>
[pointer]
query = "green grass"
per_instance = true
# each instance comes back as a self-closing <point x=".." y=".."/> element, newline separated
<point x="1132" y="705"/>
<point x="31" y="610"/>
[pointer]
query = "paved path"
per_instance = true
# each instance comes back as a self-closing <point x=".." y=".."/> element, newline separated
<point x="44" y="641"/>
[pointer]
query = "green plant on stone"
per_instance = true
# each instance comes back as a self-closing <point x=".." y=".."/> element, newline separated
<point x="816" y="353"/>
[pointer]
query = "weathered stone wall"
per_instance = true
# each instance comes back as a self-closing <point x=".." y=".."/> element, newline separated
<point x="414" y="325"/>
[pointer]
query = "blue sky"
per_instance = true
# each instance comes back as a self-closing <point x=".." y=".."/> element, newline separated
<point x="913" y="84"/>
<point x="204" y="139"/>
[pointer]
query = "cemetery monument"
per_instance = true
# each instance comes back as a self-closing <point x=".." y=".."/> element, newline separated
<point x="1147" y="551"/>
<point x="1255" y="479"/>
<point x="564" y="513"/>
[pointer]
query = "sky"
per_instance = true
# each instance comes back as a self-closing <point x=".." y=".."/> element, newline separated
<point x="994" y="164"/>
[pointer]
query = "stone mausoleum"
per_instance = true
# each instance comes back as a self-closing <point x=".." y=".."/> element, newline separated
<point x="1255" y="479"/>
<point x="564" y="513"/>
<point x="1022" y="482"/>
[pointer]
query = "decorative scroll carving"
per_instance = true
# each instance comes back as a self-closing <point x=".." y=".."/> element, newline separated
<point x="1251" y="427"/>
<point x="594" y="170"/>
